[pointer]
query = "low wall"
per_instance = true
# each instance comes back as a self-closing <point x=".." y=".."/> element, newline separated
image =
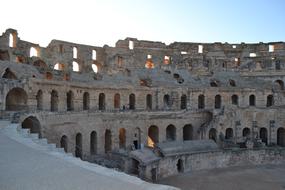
<point x="168" y="166"/>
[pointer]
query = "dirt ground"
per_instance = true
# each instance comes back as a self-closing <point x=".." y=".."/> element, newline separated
<point x="269" y="177"/>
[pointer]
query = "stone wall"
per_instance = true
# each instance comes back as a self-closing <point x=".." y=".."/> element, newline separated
<point x="167" y="166"/>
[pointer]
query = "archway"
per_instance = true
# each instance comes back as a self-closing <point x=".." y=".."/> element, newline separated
<point x="281" y="137"/>
<point x="108" y="141"/>
<point x="122" y="138"/>
<point x="78" y="145"/>
<point x="213" y="134"/>
<point x="153" y="136"/>
<point x="54" y="101"/>
<point x="235" y="99"/>
<point x="101" y="101"/>
<point x="117" y="101"/>
<point x="270" y="100"/>
<point x="218" y="101"/>
<point x="263" y="135"/>
<point x="229" y="133"/>
<point x="279" y="84"/>
<point x="137" y="138"/>
<point x="93" y="142"/>
<point x="64" y="143"/>
<point x="39" y="98"/>
<point x="170" y="133"/>
<point x="183" y="102"/>
<point x="8" y="74"/>
<point x="86" y="101"/>
<point x="16" y="100"/>
<point x="69" y="101"/>
<point x="201" y="101"/>
<point x="166" y="101"/>
<point x="246" y="132"/>
<point x="149" y="102"/>
<point x="132" y="101"/>
<point x="33" y="124"/>
<point x="252" y="100"/>
<point x="180" y="166"/>
<point x="187" y="132"/>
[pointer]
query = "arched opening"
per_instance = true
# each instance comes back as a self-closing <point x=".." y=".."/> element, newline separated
<point x="94" y="54"/>
<point x="152" y="136"/>
<point x="49" y="76"/>
<point x="33" y="52"/>
<point x="64" y="143"/>
<point x="74" y="51"/>
<point x="263" y="135"/>
<point x="40" y="64"/>
<point x="39" y="98"/>
<point x="94" y="68"/>
<point x="8" y="74"/>
<point x="135" y="167"/>
<point x="132" y="101"/>
<point x="75" y="66"/>
<point x="180" y="166"/>
<point x="117" y="101"/>
<point x="170" y="133"/>
<point x="149" y="102"/>
<point x="252" y="100"/>
<point x="187" y="132"/>
<point x="59" y="67"/>
<point x="33" y="124"/>
<point x="270" y="101"/>
<point x="232" y="83"/>
<point x="122" y="138"/>
<point x="16" y="100"/>
<point x="218" y="102"/>
<point x="214" y="83"/>
<point x="137" y="138"/>
<point x="281" y="137"/>
<point x="246" y="132"/>
<point x="183" y="102"/>
<point x="234" y="99"/>
<point x="54" y="101"/>
<point x="12" y="40"/>
<point x="78" y="145"/>
<point x="149" y="63"/>
<point x="213" y="134"/>
<point x="101" y="101"/>
<point x="229" y="133"/>
<point x="93" y="142"/>
<point x="69" y="101"/>
<point x="279" y="84"/>
<point x="108" y="141"/>
<point x="86" y="101"/>
<point x="201" y="101"/>
<point x="166" y="101"/>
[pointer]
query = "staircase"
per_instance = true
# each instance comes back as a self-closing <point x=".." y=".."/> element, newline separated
<point x="17" y="133"/>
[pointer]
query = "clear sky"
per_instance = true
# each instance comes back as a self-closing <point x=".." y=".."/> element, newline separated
<point x="99" y="22"/>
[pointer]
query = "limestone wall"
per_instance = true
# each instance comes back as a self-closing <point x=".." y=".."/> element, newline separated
<point x="219" y="159"/>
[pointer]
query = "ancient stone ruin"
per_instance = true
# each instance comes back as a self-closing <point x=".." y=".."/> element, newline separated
<point x="147" y="108"/>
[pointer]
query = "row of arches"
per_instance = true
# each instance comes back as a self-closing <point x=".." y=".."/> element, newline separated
<point x="16" y="99"/>
<point x="246" y="133"/>
<point x="93" y="142"/>
<point x="153" y="134"/>
<point x="153" y="138"/>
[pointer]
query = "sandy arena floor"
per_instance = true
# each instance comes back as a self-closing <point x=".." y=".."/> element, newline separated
<point x="268" y="177"/>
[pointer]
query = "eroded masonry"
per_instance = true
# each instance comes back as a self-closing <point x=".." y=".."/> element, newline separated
<point x="147" y="108"/>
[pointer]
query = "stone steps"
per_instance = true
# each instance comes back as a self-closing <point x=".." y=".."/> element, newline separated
<point x="33" y="138"/>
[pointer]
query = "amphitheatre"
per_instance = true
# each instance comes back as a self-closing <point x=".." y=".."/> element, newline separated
<point x="141" y="109"/>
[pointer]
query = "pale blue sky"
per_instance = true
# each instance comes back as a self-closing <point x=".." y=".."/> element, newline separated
<point x="98" y="22"/>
